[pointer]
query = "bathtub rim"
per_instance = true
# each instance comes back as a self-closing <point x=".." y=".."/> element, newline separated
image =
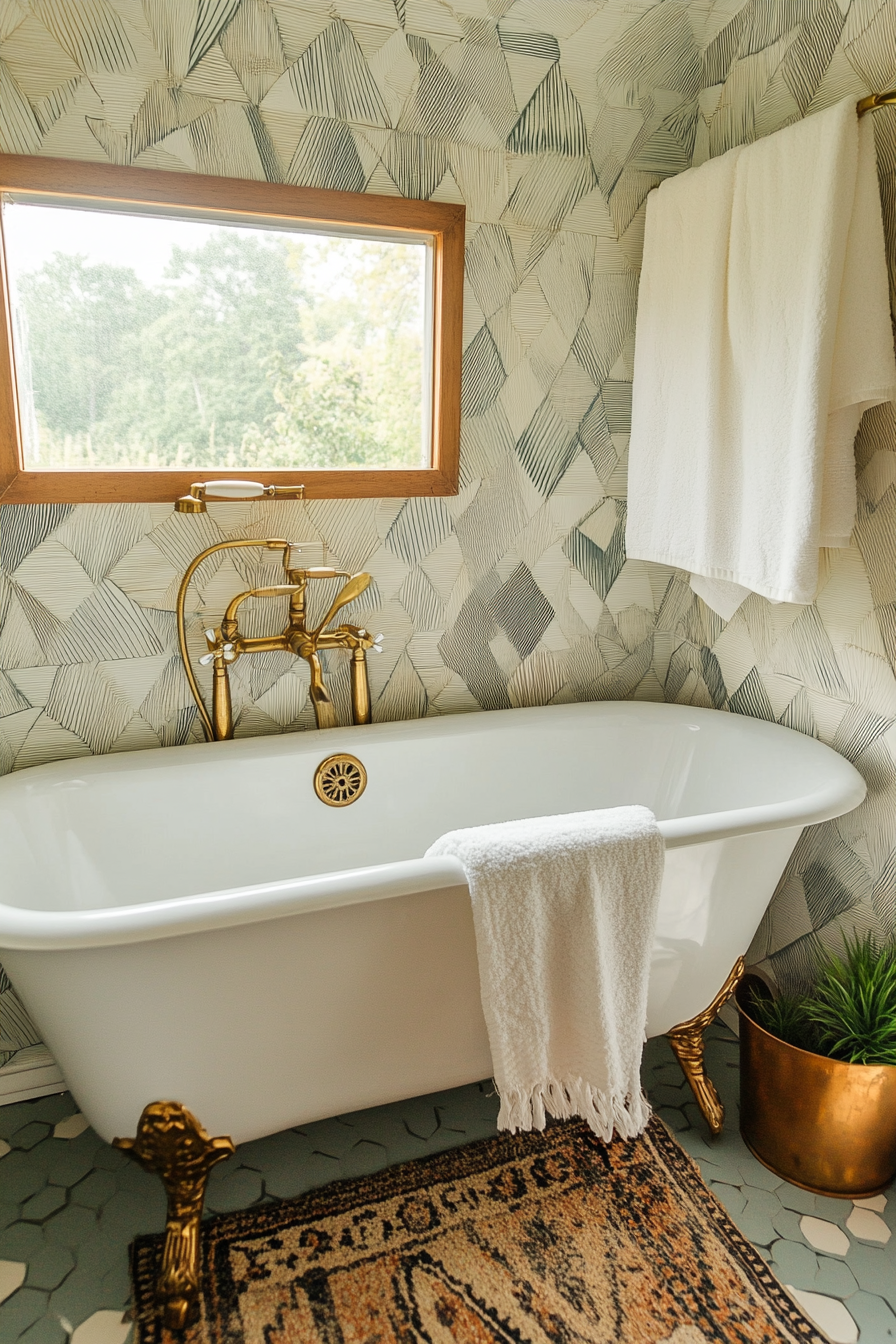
<point x="27" y="929"/>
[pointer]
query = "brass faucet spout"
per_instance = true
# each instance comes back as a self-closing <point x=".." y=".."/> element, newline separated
<point x="324" y="709"/>
<point x="277" y="590"/>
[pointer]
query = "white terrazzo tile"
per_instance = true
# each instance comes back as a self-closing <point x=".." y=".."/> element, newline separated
<point x="12" y="1276"/>
<point x="869" y="1226"/>
<point x="824" y="1236"/>
<point x="876" y="1202"/>
<point x="103" y="1327"/>
<point x="828" y="1314"/>
<point x="71" y="1126"/>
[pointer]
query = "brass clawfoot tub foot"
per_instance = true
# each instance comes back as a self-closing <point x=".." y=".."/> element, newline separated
<point x="687" y="1041"/>
<point x="172" y="1143"/>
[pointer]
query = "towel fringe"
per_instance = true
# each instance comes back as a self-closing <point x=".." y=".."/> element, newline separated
<point x="525" y="1109"/>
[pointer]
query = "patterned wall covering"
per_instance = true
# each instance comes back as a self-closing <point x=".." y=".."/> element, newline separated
<point x="551" y="120"/>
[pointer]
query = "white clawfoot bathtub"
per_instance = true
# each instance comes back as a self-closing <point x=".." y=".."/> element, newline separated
<point x="195" y="924"/>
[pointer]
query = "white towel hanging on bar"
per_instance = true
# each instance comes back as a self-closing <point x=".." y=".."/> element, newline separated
<point x="763" y="334"/>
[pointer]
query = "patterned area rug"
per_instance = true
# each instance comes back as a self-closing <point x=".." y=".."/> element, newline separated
<point x="549" y="1238"/>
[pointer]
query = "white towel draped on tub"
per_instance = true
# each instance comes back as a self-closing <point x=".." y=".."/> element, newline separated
<point x="564" y="909"/>
<point x="763" y="333"/>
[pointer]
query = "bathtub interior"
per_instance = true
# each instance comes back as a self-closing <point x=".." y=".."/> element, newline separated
<point x="150" y="826"/>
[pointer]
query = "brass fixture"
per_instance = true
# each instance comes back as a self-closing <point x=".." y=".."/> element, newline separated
<point x="819" y="1123"/>
<point x="687" y="1041"/>
<point x="339" y="780"/>
<point x="171" y="1143"/>
<point x="874" y="101"/>
<point x="226" y="644"/>
<point x="200" y="491"/>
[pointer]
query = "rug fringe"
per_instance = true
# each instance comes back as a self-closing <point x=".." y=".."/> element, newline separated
<point x="528" y="1108"/>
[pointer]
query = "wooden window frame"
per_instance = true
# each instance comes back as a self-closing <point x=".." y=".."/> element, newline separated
<point x="56" y="179"/>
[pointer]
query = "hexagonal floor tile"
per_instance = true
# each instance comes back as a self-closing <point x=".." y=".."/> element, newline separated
<point x="828" y="1314"/>
<point x="71" y="1126"/>
<point x="824" y="1236"/>
<point x="12" y="1276"/>
<point x="868" y="1226"/>
<point x="103" y="1327"/>
<point x="876" y="1202"/>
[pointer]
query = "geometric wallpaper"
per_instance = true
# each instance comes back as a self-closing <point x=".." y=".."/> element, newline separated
<point x="551" y="120"/>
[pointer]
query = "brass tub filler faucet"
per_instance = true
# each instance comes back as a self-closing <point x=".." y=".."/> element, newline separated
<point x="226" y="644"/>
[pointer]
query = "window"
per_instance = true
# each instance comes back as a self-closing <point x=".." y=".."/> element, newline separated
<point x="165" y="329"/>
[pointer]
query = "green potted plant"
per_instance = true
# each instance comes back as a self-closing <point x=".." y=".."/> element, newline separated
<point x="818" y="1073"/>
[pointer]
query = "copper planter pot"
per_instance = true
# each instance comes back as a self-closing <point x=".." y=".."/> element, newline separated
<point x="827" y="1126"/>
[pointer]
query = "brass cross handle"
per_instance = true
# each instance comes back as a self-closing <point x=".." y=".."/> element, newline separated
<point x="218" y="647"/>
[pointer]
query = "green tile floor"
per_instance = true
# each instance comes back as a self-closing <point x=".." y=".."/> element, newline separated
<point x="70" y="1205"/>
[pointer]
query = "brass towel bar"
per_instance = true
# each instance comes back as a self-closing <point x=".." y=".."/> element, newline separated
<point x="876" y="100"/>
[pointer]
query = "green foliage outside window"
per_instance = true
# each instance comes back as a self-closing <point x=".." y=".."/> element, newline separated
<point x="255" y="350"/>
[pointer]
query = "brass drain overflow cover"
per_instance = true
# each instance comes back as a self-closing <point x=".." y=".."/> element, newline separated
<point x="339" y="780"/>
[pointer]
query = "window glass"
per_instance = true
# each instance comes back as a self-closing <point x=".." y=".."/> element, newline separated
<point x="147" y="341"/>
